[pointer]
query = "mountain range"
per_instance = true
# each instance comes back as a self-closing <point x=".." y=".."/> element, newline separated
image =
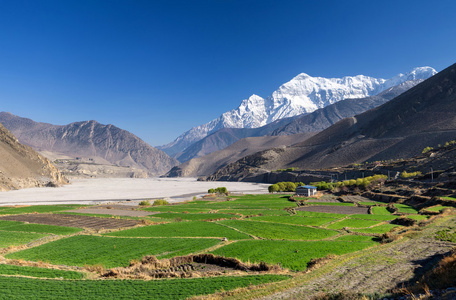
<point x="90" y="139"/>
<point x="423" y="116"/>
<point x="301" y="95"/>
<point x="297" y="129"/>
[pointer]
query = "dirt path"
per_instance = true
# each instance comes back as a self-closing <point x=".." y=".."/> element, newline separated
<point x="378" y="271"/>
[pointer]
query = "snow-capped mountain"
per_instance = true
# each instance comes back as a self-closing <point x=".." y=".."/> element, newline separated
<point x="301" y="95"/>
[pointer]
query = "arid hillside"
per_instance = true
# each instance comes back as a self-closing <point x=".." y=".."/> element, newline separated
<point x="90" y="139"/>
<point x="401" y="128"/>
<point x="22" y="167"/>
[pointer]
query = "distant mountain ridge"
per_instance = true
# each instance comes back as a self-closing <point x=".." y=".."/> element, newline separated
<point x="90" y="138"/>
<point x="302" y="94"/>
<point x="423" y="116"/>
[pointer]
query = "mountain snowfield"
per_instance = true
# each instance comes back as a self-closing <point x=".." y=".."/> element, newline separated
<point x="301" y="95"/>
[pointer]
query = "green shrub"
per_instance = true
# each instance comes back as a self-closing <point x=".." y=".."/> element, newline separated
<point x="145" y="203"/>
<point x="159" y="202"/>
<point x="427" y="149"/>
<point x="405" y="174"/>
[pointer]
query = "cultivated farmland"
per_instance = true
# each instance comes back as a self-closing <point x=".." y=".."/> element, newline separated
<point x="248" y="236"/>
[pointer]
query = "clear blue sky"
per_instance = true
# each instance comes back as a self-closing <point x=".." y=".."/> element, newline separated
<point x="158" y="68"/>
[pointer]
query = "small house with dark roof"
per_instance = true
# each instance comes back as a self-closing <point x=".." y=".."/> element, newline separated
<point x="306" y="190"/>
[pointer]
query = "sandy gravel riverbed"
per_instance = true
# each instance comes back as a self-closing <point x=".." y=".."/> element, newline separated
<point x="92" y="191"/>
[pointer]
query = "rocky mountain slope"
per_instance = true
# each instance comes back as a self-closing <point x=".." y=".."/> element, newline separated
<point x="302" y="94"/>
<point x="90" y="139"/>
<point x="22" y="167"/>
<point x="318" y="120"/>
<point x="208" y="164"/>
<point x="423" y="116"/>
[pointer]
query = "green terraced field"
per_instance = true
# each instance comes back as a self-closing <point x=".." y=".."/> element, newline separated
<point x="355" y="238"/>
<point x="353" y="223"/>
<point x="39" y="228"/>
<point x="110" y="251"/>
<point x="331" y="203"/>
<point x="289" y="254"/>
<point x="384" y="228"/>
<point x="380" y="210"/>
<point x="388" y="217"/>
<point x="182" y="229"/>
<point x="294" y="220"/>
<point x="12" y="238"/>
<point x="39" y="272"/>
<point x="193" y="217"/>
<point x="438" y="208"/>
<point x="36" y="209"/>
<point x="279" y="231"/>
<point x="27" y="288"/>
<point x="256" y="212"/>
<point x="405" y="209"/>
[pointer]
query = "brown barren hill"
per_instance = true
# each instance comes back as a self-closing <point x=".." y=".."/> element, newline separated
<point x="423" y="116"/>
<point x="21" y="166"/>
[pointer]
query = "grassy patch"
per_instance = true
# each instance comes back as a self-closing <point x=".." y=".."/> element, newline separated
<point x="12" y="238"/>
<point x="39" y="272"/>
<point x="279" y="231"/>
<point x="108" y="251"/>
<point x="289" y="254"/>
<point x="182" y="229"/>
<point x="447" y="235"/>
<point x="418" y="217"/>
<point x="27" y="288"/>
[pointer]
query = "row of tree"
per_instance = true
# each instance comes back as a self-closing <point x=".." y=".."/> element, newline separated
<point x="287" y="186"/>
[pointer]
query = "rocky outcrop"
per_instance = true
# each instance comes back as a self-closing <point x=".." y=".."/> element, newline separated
<point x="22" y="167"/>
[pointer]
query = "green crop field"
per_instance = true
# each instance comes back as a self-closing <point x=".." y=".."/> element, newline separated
<point x="39" y="272"/>
<point x="356" y="238"/>
<point x="289" y="254"/>
<point x="406" y="209"/>
<point x="259" y="228"/>
<point x="353" y="223"/>
<point x="294" y="219"/>
<point x="256" y="212"/>
<point x="193" y="217"/>
<point x="40" y="228"/>
<point x="182" y="229"/>
<point x="12" y="238"/>
<point x="269" y="230"/>
<point x="438" y="208"/>
<point x="380" y="210"/>
<point x="109" y="251"/>
<point x="37" y="209"/>
<point x="330" y="203"/>
<point x="377" y="229"/>
<point x="388" y="217"/>
<point x="27" y="288"/>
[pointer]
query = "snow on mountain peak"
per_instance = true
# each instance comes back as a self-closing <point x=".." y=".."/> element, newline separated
<point x="302" y="94"/>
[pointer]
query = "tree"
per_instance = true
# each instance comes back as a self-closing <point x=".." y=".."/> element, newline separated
<point x="273" y="188"/>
